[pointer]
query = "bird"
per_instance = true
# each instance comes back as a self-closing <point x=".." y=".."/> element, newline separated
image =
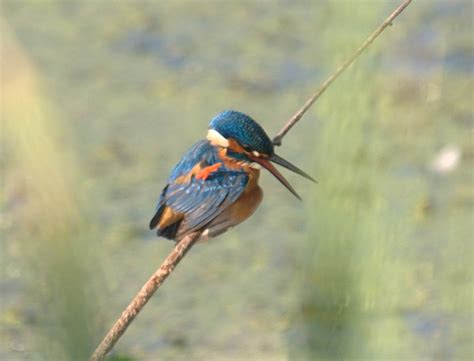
<point x="214" y="186"/>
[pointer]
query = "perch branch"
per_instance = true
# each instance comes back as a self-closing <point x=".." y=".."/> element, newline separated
<point x="295" y="118"/>
<point x="142" y="297"/>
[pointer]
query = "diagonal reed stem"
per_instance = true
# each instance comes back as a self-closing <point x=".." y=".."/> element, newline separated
<point x="142" y="297"/>
<point x="295" y="118"/>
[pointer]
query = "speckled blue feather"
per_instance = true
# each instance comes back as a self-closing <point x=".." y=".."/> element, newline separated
<point x="242" y="128"/>
<point x="202" y="151"/>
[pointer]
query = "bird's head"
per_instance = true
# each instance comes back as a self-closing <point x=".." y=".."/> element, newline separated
<point x="246" y="141"/>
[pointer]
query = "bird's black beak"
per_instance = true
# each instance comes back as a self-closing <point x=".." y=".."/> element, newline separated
<point x="284" y="163"/>
<point x="266" y="163"/>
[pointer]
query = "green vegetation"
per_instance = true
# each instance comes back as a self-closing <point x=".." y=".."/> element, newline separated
<point x="351" y="283"/>
<point x="100" y="99"/>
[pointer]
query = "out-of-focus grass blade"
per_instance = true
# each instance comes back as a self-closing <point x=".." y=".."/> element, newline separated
<point x="61" y="266"/>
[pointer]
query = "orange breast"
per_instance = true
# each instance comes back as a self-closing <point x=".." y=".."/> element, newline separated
<point x="248" y="202"/>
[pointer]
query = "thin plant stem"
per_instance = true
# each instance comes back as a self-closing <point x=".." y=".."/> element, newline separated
<point x="295" y="118"/>
<point x="142" y="297"/>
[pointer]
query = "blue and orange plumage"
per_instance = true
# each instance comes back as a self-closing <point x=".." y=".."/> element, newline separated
<point x="215" y="185"/>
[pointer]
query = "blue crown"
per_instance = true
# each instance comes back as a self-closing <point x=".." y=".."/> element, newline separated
<point x="242" y="128"/>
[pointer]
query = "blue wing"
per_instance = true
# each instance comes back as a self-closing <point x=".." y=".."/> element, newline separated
<point x="201" y="152"/>
<point x="195" y="203"/>
<point x="201" y="201"/>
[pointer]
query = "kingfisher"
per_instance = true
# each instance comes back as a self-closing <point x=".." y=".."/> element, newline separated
<point x="215" y="185"/>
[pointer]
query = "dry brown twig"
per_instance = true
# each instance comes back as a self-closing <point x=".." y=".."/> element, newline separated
<point x="182" y="247"/>
<point x="142" y="297"/>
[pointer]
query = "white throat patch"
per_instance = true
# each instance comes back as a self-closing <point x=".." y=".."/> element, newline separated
<point x="217" y="139"/>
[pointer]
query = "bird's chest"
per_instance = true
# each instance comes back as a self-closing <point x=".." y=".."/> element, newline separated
<point x="254" y="175"/>
<point x="249" y="200"/>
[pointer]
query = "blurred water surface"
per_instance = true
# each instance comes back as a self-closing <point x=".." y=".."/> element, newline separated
<point x="100" y="99"/>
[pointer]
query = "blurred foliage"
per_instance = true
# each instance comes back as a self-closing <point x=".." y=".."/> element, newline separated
<point x="52" y="233"/>
<point x="99" y="100"/>
<point x="350" y="285"/>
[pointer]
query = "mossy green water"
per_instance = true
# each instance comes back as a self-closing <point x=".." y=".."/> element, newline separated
<point x="376" y="263"/>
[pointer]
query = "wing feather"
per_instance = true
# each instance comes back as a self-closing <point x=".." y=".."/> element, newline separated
<point x="201" y="201"/>
<point x="197" y="201"/>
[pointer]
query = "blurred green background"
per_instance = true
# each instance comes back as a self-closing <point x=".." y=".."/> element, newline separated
<point x="99" y="100"/>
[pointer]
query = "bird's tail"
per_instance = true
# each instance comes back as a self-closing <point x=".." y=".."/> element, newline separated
<point x="156" y="218"/>
<point x="168" y="231"/>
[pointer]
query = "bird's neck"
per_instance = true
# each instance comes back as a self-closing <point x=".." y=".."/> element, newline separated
<point x="236" y="163"/>
<point x="243" y="166"/>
